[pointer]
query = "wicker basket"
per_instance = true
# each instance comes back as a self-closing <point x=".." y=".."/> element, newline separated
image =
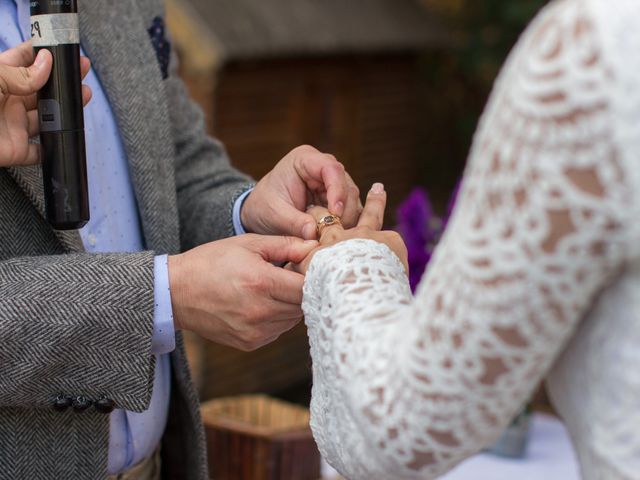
<point x="255" y="437"/>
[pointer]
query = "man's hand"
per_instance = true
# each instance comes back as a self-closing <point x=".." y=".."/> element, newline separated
<point x="305" y="176"/>
<point x="20" y="79"/>
<point x="228" y="291"/>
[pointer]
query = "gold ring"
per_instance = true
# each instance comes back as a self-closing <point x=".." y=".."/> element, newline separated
<point x="327" y="221"/>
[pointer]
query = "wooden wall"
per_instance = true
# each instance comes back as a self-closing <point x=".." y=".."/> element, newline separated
<point x="364" y="110"/>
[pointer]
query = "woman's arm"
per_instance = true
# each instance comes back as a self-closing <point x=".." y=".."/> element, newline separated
<point x="408" y="387"/>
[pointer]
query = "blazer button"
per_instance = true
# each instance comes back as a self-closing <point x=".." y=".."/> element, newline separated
<point x="80" y="404"/>
<point x="61" y="403"/>
<point x="105" y="405"/>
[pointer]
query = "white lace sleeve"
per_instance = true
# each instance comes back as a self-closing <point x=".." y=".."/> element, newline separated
<point x="407" y="387"/>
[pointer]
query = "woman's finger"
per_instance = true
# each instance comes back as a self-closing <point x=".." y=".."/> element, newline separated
<point x="319" y="213"/>
<point x="373" y="213"/>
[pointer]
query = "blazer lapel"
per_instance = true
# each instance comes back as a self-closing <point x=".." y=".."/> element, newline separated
<point x="30" y="180"/>
<point x="114" y="35"/>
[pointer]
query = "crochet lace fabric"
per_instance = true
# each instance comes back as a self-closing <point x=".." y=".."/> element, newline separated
<point x="537" y="272"/>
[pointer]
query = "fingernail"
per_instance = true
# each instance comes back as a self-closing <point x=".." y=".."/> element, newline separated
<point x="377" y="188"/>
<point x="39" y="61"/>
<point x="339" y="208"/>
<point x="309" y="230"/>
<point x="311" y="242"/>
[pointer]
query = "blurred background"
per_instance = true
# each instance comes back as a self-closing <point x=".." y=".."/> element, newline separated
<point x="393" y="88"/>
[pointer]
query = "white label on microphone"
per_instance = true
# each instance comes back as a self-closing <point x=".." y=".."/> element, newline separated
<point x="55" y="29"/>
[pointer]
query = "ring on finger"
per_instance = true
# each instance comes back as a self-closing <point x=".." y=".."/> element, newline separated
<point x="327" y="221"/>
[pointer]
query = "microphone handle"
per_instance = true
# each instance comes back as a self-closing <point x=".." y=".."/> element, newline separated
<point x="54" y="26"/>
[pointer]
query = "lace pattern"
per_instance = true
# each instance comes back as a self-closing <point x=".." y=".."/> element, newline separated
<point x="407" y="387"/>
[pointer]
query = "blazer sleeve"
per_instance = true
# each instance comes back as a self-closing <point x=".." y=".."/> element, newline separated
<point x="207" y="185"/>
<point x="77" y="325"/>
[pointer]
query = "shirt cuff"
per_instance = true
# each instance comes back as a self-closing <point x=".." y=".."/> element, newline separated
<point x="237" y="206"/>
<point x="164" y="332"/>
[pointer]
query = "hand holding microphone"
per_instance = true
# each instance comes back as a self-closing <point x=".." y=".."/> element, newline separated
<point x="55" y="27"/>
<point x="20" y="79"/>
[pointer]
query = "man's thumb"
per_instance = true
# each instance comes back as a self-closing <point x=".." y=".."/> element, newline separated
<point x="26" y="80"/>
<point x="283" y="249"/>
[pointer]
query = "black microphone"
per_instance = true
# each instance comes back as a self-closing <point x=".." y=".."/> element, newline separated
<point x="54" y="26"/>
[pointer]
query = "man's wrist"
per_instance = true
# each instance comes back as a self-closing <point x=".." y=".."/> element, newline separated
<point x="174" y="264"/>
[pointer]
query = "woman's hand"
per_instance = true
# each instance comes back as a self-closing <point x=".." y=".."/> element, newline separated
<point x="21" y="76"/>
<point x="369" y="227"/>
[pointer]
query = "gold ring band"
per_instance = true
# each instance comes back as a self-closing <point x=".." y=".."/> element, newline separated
<point x="328" y="221"/>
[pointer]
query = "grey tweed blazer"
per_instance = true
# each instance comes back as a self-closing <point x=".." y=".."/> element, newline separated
<point x="79" y="324"/>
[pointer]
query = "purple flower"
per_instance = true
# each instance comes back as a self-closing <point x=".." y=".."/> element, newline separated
<point x="421" y="230"/>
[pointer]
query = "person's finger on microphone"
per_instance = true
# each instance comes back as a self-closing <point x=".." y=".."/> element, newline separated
<point x="19" y="56"/>
<point x="85" y="66"/>
<point x="24" y="81"/>
<point x="87" y="94"/>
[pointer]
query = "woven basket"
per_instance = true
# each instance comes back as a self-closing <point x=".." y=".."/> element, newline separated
<point x="255" y="437"/>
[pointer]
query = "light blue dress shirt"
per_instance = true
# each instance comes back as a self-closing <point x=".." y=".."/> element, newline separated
<point x="115" y="227"/>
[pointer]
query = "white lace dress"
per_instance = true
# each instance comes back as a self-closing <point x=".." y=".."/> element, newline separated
<point x="538" y="275"/>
